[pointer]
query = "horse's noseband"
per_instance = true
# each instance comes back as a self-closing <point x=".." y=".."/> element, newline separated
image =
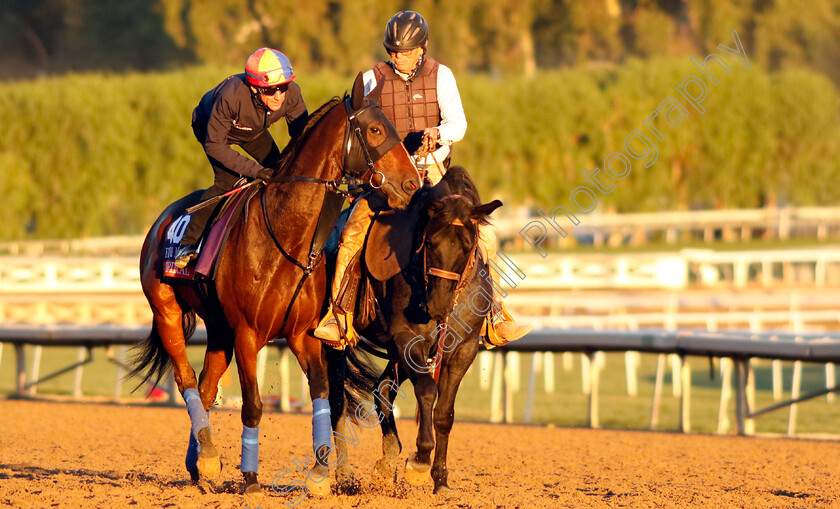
<point x="446" y="274"/>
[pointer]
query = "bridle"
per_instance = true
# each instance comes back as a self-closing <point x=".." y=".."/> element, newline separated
<point x="436" y="354"/>
<point x="333" y="196"/>
<point x="446" y="274"/>
<point x="354" y="178"/>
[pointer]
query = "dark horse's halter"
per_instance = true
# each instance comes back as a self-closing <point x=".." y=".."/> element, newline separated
<point x="436" y="353"/>
<point x="334" y="197"/>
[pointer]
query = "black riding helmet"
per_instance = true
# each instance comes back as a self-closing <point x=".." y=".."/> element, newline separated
<point x="405" y="31"/>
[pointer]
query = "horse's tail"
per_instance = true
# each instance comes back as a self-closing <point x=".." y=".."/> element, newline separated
<point x="152" y="360"/>
<point x="360" y="381"/>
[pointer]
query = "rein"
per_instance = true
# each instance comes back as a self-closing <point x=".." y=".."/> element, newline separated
<point x="330" y="208"/>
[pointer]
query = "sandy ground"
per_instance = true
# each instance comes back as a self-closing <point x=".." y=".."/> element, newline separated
<point x="84" y="455"/>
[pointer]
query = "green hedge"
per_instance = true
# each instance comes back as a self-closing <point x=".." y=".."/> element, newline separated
<point x="93" y="154"/>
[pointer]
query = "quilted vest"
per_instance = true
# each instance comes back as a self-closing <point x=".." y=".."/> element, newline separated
<point x="411" y="105"/>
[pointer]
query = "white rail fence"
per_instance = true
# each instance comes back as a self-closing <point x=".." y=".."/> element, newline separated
<point x="672" y="226"/>
<point x="689" y="268"/>
<point x="500" y="370"/>
<point x="610" y="229"/>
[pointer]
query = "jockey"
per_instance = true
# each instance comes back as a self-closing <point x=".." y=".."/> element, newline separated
<point x="239" y="111"/>
<point x="420" y="97"/>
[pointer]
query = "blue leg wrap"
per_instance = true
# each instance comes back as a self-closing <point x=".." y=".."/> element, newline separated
<point x="321" y="427"/>
<point x="198" y="416"/>
<point x="250" y="449"/>
<point x="192" y="454"/>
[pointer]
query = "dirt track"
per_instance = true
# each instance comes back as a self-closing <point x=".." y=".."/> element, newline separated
<point x="73" y="455"/>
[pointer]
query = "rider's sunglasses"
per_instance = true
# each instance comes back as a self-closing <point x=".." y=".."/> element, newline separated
<point x="270" y="91"/>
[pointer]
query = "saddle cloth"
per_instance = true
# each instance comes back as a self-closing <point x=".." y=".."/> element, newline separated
<point x="210" y="244"/>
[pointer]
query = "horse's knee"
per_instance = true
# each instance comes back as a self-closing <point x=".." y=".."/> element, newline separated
<point x="443" y="421"/>
<point x="425" y="389"/>
<point x="252" y="412"/>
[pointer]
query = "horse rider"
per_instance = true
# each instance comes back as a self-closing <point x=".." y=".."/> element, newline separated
<point x="239" y="111"/>
<point x="420" y="97"/>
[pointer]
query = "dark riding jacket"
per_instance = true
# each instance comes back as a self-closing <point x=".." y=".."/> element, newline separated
<point x="231" y="115"/>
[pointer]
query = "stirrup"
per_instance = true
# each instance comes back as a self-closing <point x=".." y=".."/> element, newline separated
<point x="331" y="333"/>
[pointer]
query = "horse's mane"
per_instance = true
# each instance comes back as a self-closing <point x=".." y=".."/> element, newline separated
<point x="290" y="152"/>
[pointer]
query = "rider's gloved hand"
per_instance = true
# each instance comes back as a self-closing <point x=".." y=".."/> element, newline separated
<point x="265" y="173"/>
<point x="431" y="136"/>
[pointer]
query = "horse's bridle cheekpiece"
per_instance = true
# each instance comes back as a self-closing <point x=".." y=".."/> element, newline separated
<point x="436" y="353"/>
<point x="354" y="171"/>
<point x="360" y="157"/>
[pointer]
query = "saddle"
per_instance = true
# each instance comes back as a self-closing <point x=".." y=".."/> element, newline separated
<point x="388" y="245"/>
<point x="387" y="252"/>
<point x="211" y="242"/>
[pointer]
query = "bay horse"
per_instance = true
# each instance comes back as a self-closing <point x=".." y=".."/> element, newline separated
<point x="269" y="282"/>
<point x="428" y="318"/>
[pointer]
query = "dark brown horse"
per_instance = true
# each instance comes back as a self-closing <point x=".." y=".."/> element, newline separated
<point x="270" y="282"/>
<point x="428" y="319"/>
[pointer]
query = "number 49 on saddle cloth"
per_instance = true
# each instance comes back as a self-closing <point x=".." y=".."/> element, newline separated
<point x="209" y="246"/>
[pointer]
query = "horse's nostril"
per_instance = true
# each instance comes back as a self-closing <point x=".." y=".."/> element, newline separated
<point x="409" y="186"/>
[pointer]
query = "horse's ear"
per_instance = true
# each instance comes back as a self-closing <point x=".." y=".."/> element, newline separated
<point x="485" y="209"/>
<point x="357" y="96"/>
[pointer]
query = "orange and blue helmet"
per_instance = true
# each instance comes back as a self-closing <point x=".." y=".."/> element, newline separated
<point x="268" y="67"/>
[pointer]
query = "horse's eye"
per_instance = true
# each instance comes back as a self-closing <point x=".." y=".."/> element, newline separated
<point x="375" y="130"/>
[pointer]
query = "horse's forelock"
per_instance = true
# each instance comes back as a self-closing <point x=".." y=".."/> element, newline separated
<point x="451" y="209"/>
<point x="458" y="181"/>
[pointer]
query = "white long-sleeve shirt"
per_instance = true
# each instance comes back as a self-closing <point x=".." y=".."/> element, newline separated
<point x="453" y="122"/>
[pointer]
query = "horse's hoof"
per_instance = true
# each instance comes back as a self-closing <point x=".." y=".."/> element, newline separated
<point x="252" y="486"/>
<point x="385" y="470"/>
<point x="203" y="486"/>
<point x="254" y="490"/>
<point x="345" y="482"/>
<point x="442" y="489"/>
<point x="209" y="464"/>
<point x="417" y="474"/>
<point x="320" y="488"/>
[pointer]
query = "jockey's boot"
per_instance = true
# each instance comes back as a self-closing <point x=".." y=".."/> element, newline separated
<point x="506" y="329"/>
<point x="186" y="254"/>
<point x="336" y="328"/>
<point x="331" y="326"/>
